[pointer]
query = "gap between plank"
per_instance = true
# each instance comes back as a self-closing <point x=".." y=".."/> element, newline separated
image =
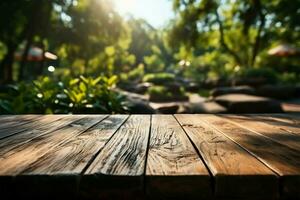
<point x="250" y="152"/>
<point x="257" y="133"/>
<point x="98" y="152"/>
<point x="200" y="156"/>
<point x="21" y="131"/>
<point x="147" y="151"/>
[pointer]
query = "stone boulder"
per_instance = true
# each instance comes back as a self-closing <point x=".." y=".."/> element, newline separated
<point x="164" y="98"/>
<point x="192" y="87"/>
<point x="136" y="103"/>
<point x="254" y="82"/>
<point x="205" y="107"/>
<point x="142" y="88"/>
<point x="138" y="106"/>
<point x="166" y="108"/>
<point x="278" y="91"/>
<point x="242" y="103"/>
<point x="173" y="87"/>
<point x="139" y="88"/>
<point x="232" y="90"/>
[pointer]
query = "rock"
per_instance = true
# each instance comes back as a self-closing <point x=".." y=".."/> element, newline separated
<point x="192" y="87"/>
<point x="254" y="82"/>
<point x="298" y="91"/>
<point x="291" y="106"/>
<point x="206" y="107"/>
<point x="196" y="98"/>
<point x="166" y="108"/>
<point x="142" y="88"/>
<point x="232" y="90"/>
<point x="212" y="83"/>
<point x="139" y="88"/>
<point x="165" y="98"/>
<point x="174" y="88"/>
<point x="137" y="106"/>
<point x="242" y="103"/>
<point x="278" y="91"/>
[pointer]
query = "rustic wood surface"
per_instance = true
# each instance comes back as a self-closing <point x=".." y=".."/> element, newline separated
<point x="150" y="156"/>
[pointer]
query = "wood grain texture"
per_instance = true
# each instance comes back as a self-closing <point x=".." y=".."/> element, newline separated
<point x="16" y="160"/>
<point x="291" y="119"/>
<point x="172" y="162"/>
<point x="72" y="156"/>
<point x="13" y="120"/>
<point x="280" y="158"/>
<point x="63" y="165"/>
<point x="289" y="136"/>
<point x="42" y="126"/>
<point x="25" y="123"/>
<point x="237" y="174"/>
<point x="285" y="122"/>
<point x="121" y="157"/>
<point x="118" y="170"/>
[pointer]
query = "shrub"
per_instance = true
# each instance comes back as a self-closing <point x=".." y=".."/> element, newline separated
<point x="264" y="73"/>
<point x="289" y="78"/>
<point x="134" y="75"/>
<point x="159" y="78"/>
<point x="162" y="93"/>
<point x="77" y="95"/>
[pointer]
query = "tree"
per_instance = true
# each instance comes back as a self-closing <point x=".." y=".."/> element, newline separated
<point x="243" y="27"/>
<point x="12" y="26"/>
<point x="86" y="29"/>
<point x="23" y="22"/>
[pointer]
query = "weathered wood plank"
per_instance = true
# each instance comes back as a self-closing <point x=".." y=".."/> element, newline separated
<point x="63" y="165"/>
<point x="293" y="119"/>
<point x="282" y="159"/>
<point x="15" y="161"/>
<point x="40" y="127"/>
<point x="287" y="122"/>
<point x="31" y="124"/>
<point x="12" y="118"/>
<point x="270" y="129"/>
<point x="118" y="170"/>
<point x="15" y="120"/>
<point x="237" y="174"/>
<point x="172" y="162"/>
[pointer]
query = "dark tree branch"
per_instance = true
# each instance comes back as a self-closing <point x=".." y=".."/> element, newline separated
<point x="222" y="39"/>
<point x="262" y="18"/>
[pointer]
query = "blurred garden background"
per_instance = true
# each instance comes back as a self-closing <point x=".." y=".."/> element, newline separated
<point x="145" y="57"/>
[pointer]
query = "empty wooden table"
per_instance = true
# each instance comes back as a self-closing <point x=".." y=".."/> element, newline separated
<point x="150" y="156"/>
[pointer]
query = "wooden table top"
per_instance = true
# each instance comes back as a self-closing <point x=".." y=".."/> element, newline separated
<point x="150" y="156"/>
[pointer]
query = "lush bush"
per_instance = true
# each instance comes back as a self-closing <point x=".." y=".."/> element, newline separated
<point x="159" y="78"/>
<point x="135" y="74"/>
<point x="159" y="90"/>
<point x="269" y="75"/>
<point x="288" y="78"/>
<point x="77" y="95"/>
<point x="163" y="93"/>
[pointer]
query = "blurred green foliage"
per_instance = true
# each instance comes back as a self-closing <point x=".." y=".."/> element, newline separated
<point x="161" y="93"/>
<point x="77" y="95"/>
<point x="159" y="78"/>
<point x="207" y="41"/>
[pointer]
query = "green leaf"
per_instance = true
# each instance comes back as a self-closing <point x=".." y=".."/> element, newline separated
<point x="82" y="87"/>
<point x="73" y="81"/>
<point x="110" y="51"/>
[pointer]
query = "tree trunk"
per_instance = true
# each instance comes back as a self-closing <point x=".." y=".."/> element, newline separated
<point x="30" y="32"/>
<point x="7" y="65"/>
<point x="24" y="58"/>
<point x="222" y="40"/>
<point x="256" y="45"/>
<point x="44" y="34"/>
